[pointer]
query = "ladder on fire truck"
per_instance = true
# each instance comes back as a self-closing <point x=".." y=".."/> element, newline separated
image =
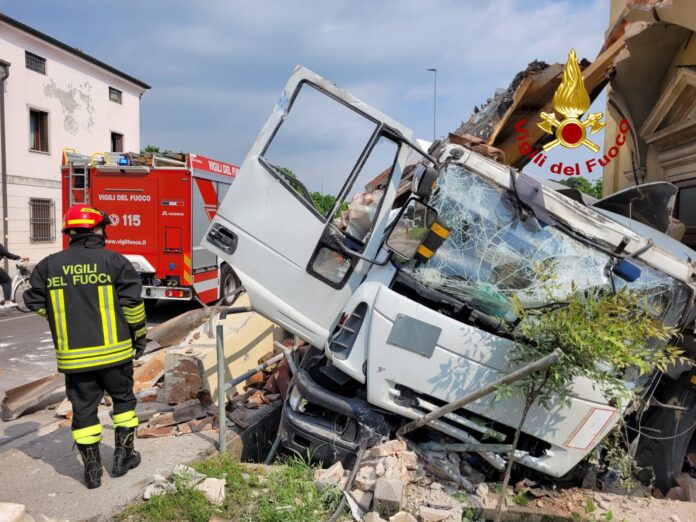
<point x="78" y="176"/>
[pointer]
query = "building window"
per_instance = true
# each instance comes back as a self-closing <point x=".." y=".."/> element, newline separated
<point x="38" y="130"/>
<point x="35" y="63"/>
<point x="116" y="142"/>
<point x="42" y="220"/>
<point x="114" y="95"/>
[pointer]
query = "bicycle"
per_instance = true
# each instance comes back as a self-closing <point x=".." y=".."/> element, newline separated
<point x="20" y="284"/>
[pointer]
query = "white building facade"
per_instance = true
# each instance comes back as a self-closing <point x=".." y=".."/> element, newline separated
<point x="55" y="97"/>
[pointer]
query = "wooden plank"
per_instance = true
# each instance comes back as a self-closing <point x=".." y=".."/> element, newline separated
<point x="595" y="76"/>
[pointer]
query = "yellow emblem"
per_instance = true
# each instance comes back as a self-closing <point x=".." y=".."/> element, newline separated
<point x="571" y="100"/>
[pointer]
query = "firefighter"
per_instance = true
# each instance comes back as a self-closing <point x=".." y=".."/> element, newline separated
<point x="91" y="298"/>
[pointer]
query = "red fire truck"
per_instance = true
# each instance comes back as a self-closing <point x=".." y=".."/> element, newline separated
<point x="160" y="207"/>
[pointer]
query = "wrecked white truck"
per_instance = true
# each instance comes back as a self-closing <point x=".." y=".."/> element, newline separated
<point x="401" y="322"/>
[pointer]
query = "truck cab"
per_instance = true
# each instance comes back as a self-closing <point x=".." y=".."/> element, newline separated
<point x="399" y="265"/>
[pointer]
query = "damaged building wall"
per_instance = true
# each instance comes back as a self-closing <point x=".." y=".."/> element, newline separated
<point x="654" y="88"/>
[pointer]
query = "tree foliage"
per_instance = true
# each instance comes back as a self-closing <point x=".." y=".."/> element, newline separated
<point x="604" y="336"/>
<point x="583" y="185"/>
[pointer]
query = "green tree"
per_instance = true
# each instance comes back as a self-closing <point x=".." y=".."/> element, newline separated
<point x="583" y="185"/>
<point x="150" y="149"/>
<point x="602" y="335"/>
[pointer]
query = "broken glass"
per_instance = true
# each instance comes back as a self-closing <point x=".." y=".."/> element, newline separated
<point x="496" y="251"/>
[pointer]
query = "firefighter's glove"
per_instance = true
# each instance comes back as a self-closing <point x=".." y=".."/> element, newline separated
<point x="139" y="345"/>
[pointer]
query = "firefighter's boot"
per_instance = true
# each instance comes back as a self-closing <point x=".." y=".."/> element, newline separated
<point x="125" y="456"/>
<point x="91" y="458"/>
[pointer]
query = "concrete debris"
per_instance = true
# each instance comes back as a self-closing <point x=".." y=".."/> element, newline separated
<point x="187" y="476"/>
<point x="150" y="372"/>
<point x="213" y="489"/>
<point x="402" y="516"/>
<point x="196" y="425"/>
<point x="64" y="409"/>
<point x="362" y="498"/>
<point x="430" y="514"/>
<point x="18" y="400"/>
<point x="159" y="486"/>
<point x="373" y="517"/>
<point x="388" y="496"/>
<point x="324" y="478"/>
<point x="688" y="484"/>
<point x="10" y="512"/>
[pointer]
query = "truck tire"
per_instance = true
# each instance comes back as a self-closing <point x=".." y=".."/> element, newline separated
<point x="229" y="282"/>
<point x="667" y="455"/>
<point x="18" y="296"/>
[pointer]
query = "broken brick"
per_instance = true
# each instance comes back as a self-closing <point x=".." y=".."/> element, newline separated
<point x="145" y="432"/>
<point x="192" y="411"/>
<point x="151" y="371"/>
<point x="238" y="416"/>
<point x="147" y="395"/>
<point x="196" y="425"/>
<point x="255" y="380"/>
<point x="391" y="447"/>
<point x="271" y="386"/>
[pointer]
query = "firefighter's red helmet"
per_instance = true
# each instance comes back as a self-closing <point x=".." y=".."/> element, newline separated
<point x="82" y="216"/>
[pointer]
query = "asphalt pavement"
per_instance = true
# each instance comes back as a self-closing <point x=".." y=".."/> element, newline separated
<point x="26" y="347"/>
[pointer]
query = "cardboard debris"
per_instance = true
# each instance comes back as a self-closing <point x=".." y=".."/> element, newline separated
<point x="18" y="400"/>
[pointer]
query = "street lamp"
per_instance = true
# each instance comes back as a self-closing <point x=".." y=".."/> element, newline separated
<point x="4" y="73"/>
<point x="434" y="70"/>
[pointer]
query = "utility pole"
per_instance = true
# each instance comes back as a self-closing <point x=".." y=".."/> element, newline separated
<point x="434" y="70"/>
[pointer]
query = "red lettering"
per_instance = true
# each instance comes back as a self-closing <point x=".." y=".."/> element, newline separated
<point x="620" y="139"/>
<point x="519" y="127"/>
<point x="613" y="152"/>
<point x="589" y="164"/>
<point x="623" y="126"/>
<point x="556" y="167"/>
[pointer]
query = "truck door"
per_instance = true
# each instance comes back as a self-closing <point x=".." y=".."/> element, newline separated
<point x="280" y="225"/>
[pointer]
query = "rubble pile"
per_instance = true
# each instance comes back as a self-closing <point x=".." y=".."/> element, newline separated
<point x="396" y="485"/>
<point x="393" y="483"/>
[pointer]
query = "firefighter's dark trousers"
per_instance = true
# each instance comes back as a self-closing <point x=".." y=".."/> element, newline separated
<point x="85" y="391"/>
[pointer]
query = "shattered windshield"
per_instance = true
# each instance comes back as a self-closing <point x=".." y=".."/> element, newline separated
<point x="495" y="252"/>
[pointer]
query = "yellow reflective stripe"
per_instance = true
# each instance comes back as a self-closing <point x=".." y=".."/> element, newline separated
<point x="425" y="252"/>
<point x="92" y="348"/>
<point x="134" y="314"/>
<point x="88" y="434"/>
<point x="99" y="352"/>
<point x="132" y="423"/>
<point x="119" y="418"/>
<point x="108" y="313"/>
<point x="440" y="230"/>
<point x="95" y="362"/>
<point x="141" y="331"/>
<point x="58" y="304"/>
<point x="81" y="222"/>
<point x="102" y="311"/>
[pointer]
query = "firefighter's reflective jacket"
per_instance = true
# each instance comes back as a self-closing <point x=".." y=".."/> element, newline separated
<point x="91" y="298"/>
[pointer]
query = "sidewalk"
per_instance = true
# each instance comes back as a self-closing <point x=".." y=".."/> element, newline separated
<point x="45" y="474"/>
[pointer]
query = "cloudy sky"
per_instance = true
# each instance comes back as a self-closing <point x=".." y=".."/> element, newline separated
<point x="217" y="68"/>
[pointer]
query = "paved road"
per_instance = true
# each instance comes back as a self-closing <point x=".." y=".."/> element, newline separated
<point x="26" y="348"/>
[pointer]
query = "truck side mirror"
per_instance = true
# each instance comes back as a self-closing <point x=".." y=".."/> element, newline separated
<point x="424" y="180"/>
<point x="417" y="232"/>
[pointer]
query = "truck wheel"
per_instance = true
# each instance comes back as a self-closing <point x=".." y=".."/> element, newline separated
<point x="667" y="457"/>
<point x="229" y="282"/>
<point x="19" y="296"/>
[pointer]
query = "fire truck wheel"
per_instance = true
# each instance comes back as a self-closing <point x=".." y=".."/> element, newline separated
<point x="229" y="282"/>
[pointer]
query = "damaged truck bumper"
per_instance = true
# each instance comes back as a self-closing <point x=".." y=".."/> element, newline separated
<point x="327" y="426"/>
